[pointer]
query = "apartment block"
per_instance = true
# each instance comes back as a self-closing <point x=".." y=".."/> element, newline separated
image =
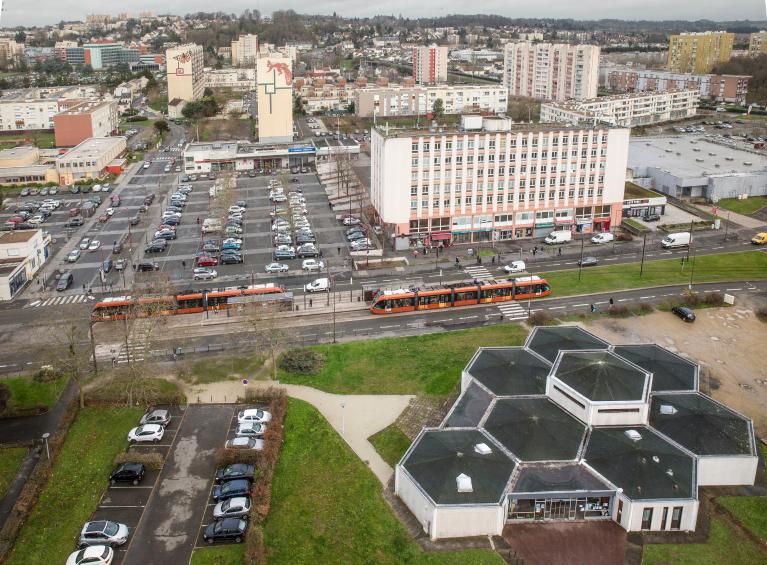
<point x="719" y="88"/>
<point x="698" y="52"/>
<point x="489" y="180"/>
<point x="551" y="71"/>
<point x="89" y="159"/>
<point x="245" y="50"/>
<point x="185" y="72"/>
<point x="626" y="110"/>
<point x="102" y="55"/>
<point x="11" y="53"/>
<point x="84" y="120"/>
<point x="241" y="80"/>
<point x="274" y="96"/>
<point x="34" y="108"/>
<point x="757" y="43"/>
<point x="419" y="100"/>
<point x="430" y="64"/>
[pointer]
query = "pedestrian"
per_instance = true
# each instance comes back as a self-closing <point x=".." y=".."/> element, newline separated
<point x="457" y="263"/>
<point x="479" y="260"/>
<point x="114" y="361"/>
<point x="320" y="253"/>
<point x="339" y="250"/>
<point x="593" y="308"/>
<point x="611" y="302"/>
<point x="310" y="303"/>
<point x="132" y="265"/>
<point x="493" y="260"/>
<point x="198" y="220"/>
<point x="560" y="252"/>
<point x="83" y="287"/>
<point x="535" y="251"/>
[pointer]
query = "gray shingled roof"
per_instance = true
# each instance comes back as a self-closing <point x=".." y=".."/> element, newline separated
<point x="549" y="341"/>
<point x="510" y="371"/>
<point x="669" y="371"/>
<point x="601" y="376"/>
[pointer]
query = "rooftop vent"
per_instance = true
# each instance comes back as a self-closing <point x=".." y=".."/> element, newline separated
<point x="633" y="435"/>
<point x="463" y="483"/>
<point x="729" y="158"/>
<point x="483" y="449"/>
<point x="747" y="163"/>
<point x="667" y="409"/>
<point x="711" y="154"/>
<point x="699" y="160"/>
<point x="670" y="472"/>
<point x="656" y="458"/>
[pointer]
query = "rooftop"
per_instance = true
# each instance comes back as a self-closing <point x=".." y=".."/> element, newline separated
<point x="587" y="105"/>
<point x="509" y="371"/>
<point x="453" y="129"/>
<point x="645" y="466"/>
<point x="17" y="236"/>
<point x="669" y="370"/>
<point x="601" y="376"/>
<point x="93" y="147"/>
<point x="85" y="107"/>
<point x="557" y="477"/>
<point x="469" y="408"/>
<point x="438" y="457"/>
<point x="549" y="341"/>
<point x="634" y="191"/>
<point x="19" y="152"/>
<point x="701" y="424"/>
<point x="535" y="429"/>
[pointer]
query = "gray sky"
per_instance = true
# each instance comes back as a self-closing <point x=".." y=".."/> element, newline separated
<point x="30" y="12"/>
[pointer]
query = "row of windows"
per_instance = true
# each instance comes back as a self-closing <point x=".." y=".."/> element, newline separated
<point x="491" y="143"/>
<point x="489" y="186"/>
<point x="534" y="169"/>
<point x="584" y="153"/>
<point x="530" y="197"/>
<point x="444" y="223"/>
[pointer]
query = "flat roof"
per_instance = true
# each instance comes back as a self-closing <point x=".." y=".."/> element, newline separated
<point x="549" y="341"/>
<point x="84" y="107"/>
<point x="18" y="152"/>
<point x="439" y="456"/>
<point x="701" y="424"/>
<point x="648" y="468"/>
<point x="17" y="236"/>
<point x="601" y="375"/>
<point x="557" y="477"/>
<point x="535" y="429"/>
<point x="469" y="408"/>
<point x="93" y="147"/>
<point x="669" y="370"/>
<point x="453" y="129"/>
<point x="509" y="371"/>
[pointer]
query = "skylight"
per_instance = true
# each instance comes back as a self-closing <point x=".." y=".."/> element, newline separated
<point x="463" y="482"/>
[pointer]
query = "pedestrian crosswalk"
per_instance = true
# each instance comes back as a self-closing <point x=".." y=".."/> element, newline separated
<point x="512" y="311"/>
<point x="135" y="352"/>
<point x="478" y="272"/>
<point x="59" y="300"/>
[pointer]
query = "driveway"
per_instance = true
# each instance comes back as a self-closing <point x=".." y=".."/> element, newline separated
<point x="170" y="524"/>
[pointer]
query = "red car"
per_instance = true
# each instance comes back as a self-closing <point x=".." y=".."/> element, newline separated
<point x="103" y="218"/>
<point x="206" y="261"/>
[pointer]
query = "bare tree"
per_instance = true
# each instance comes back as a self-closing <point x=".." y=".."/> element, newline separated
<point x="72" y="357"/>
<point x="269" y="335"/>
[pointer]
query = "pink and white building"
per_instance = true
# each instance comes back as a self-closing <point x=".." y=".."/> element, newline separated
<point x="430" y="64"/>
<point x="490" y="179"/>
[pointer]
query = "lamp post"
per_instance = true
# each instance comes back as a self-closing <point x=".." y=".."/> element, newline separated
<point x="343" y="419"/>
<point x="46" y="435"/>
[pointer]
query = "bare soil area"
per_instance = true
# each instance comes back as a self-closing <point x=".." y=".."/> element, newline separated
<point x="728" y="343"/>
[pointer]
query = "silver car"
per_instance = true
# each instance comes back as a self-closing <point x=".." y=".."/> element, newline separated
<point x="161" y="417"/>
<point x="237" y="507"/>
<point x="103" y="532"/>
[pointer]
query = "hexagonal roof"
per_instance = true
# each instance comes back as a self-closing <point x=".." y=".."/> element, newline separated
<point x="549" y="341"/>
<point x="601" y="376"/>
<point x="701" y="424"/>
<point x="669" y="370"/>
<point x="469" y="408"/>
<point x="535" y="429"/>
<point x="509" y="371"/>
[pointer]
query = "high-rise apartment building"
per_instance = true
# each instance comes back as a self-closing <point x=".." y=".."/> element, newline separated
<point x="401" y="100"/>
<point x="95" y="118"/>
<point x="492" y="180"/>
<point x="430" y="64"/>
<point x="245" y="50"/>
<point x="184" y="67"/>
<point x="274" y="96"/>
<point x="698" y="52"/>
<point x="551" y="71"/>
<point x="757" y="43"/>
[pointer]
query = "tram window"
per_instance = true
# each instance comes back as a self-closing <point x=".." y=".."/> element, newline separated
<point x="545" y="288"/>
<point x="444" y="298"/>
<point x="190" y="303"/>
<point x="382" y="305"/>
<point x="459" y="296"/>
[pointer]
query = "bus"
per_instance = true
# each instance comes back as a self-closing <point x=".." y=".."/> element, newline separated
<point x="458" y="294"/>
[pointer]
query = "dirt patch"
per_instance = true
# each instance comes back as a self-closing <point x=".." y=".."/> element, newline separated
<point x="424" y="411"/>
<point x="571" y="543"/>
<point x="727" y="343"/>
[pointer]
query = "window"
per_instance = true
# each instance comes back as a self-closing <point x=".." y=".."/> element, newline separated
<point x="646" y="518"/>
<point x="414" y="147"/>
<point x="619" y="515"/>
<point x="663" y="519"/>
<point x="676" y="518"/>
<point x="413" y="190"/>
<point x="571" y="399"/>
<point x="414" y="161"/>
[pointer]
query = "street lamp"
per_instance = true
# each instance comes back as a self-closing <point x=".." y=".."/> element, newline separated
<point x="343" y="419"/>
<point x="46" y="435"/>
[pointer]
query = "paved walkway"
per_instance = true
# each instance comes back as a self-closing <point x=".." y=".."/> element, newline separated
<point x="740" y="219"/>
<point x="355" y="416"/>
<point x="31" y="428"/>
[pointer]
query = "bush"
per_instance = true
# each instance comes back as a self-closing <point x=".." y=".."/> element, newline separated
<point x="691" y="299"/>
<point x="150" y="460"/>
<point x="713" y="299"/>
<point x="643" y="308"/>
<point x="540" y="318"/>
<point x="255" y="549"/>
<point x="127" y="390"/>
<point x="46" y="374"/>
<point x="301" y="361"/>
<point x="624" y="236"/>
<point x="761" y="314"/>
<point x="619" y="311"/>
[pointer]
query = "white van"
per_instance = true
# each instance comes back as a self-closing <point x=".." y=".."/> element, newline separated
<point x="211" y="225"/>
<point x="558" y="237"/>
<point x="681" y="239"/>
<point x="605" y="237"/>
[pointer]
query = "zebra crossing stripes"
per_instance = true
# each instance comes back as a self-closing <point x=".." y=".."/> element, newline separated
<point x="134" y="353"/>
<point x="512" y="311"/>
<point x="59" y="300"/>
<point x="478" y="272"/>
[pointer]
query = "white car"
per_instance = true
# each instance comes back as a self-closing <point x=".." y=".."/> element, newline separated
<point x="110" y="211"/>
<point x="253" y="415"/>
<point x="147" y="432"/>
<point x="94" y="245"/>
<point x="96" y="188"/>
<point x="277" y="268"/>
<point x="146" y="164"/>
<point x="515" y="267"/>
<point x="352" y="221"/>
<point x="237" y="507"/>
<point x="73" y="255"/>
<point x="312" y="265"/>
<point x="237" y="209"/>
<point x="204" y="274"/>
<point x="317" y="285"/>
<point x="92" y="555"/>
<point x="250" y="429"/>
<point x="245" y="443"/>
<point x="602" y="238"/>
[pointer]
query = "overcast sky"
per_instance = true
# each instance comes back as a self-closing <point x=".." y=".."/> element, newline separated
<point x="30" y="12"/>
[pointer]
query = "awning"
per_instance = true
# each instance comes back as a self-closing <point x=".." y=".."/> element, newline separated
<point x="441" y="236"/>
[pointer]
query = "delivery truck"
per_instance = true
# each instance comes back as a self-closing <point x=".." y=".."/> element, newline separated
<point x="558" y="237"/>
<point x="672" y="240"/>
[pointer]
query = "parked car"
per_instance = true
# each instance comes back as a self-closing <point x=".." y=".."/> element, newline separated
<point x="351" y="221"/>
<point x="277" y="268"/>
<point x="92" y="555"/>
<point x="127" y="472"/>
<point x="226" y="530"/>
<point x="230" y="258"/>
<point x="317" y="285"/>
<point x="515" y="267"/>
<point x="120" y="264"/>
<point x="232" y="488"/>
<point x="73" y="255"/>
<point x="312" y="265"/>
<point x="157" y="246"/>
<point x="250" y="429"/>
<point x="64" y="282"/>
<point x="284" y="252"/>
<point x="146" y="433"/>
<point x="235" y="471"/>
<point x="651" y="217"/>
<point x="94" y="245"/>
<point x="253" y="415"/>
<point x="145" y="266"/>
<point x="588" y="261"/>
<point x="84" y="243"/>
<point x="165" y="234"/>
<point x="205" y="261"/>
<point x="73" y="222"/>
<point x="237" y="507"/>
<point x="307" y="250"/>
<point x="103" y="532"/>
<point x="684" y="313"/>
<point x="204" y="274"/>
<point x="211" y="247"/>
<point x="157" y="416"/>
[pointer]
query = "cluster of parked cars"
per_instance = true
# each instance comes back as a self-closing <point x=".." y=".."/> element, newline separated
<point x="292" y="233"/>
<point x="31" y="215"/>
<point x="170" y="219"/>
<point x="356" y="235"/>
<point x="227" y="251"/>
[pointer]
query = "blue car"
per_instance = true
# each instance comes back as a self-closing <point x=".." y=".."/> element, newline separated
<point x="230" y="489"/>
<point x="231" y="245"/>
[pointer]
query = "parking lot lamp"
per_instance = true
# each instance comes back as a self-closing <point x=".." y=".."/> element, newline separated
<point x="46" y="435"/>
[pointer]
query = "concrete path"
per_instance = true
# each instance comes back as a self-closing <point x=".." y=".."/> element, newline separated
<point x="740" y="219"/>
<point x="355" y="416"/>
<point x="31" y="428"/>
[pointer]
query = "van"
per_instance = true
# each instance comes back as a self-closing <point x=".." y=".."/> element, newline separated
<point x="558" y="237"/>
<point x="64" y="282"/>
<point x="605" y="237"/>
<point x="681" y="239"/>
<point x="759" y="239"/>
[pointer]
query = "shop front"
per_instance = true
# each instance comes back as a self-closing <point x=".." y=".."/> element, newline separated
<point x="560" y="506"/>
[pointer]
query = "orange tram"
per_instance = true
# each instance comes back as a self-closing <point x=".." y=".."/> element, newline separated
<point x="458" y="294"/>
<point x="190" y="302"/>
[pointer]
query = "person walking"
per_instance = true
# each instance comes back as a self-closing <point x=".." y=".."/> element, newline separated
<point x="611" y="302"/>
<point x="493" y="260"/>
<point x="457" y="263"/>
<point x="593" y="308"/>
<point x="560" y="252"/>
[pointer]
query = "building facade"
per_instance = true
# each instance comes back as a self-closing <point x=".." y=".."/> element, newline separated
<point x="245" y="51"/>
<point x="245" y="156"/>
<point x="551" y="71"/>
<point x="185" y="72"/>
<point x="697" y="53"/>
<point x="757" y="43"/>
<point x="87" y="119"/>
<point x="241" y="80"/>
<point x="11" y="53"/>
<point x="419" y="100"/>
<point x="89" y="159"/>
<point x="274" y="96"/>
<point x="102" y="55"/>
<point x="719" y="88"/>
<point x="491" y="180"/>
<point x="430" y="64"/>
<point x="22" y="254"/>
<point x="34" y="108"/>
<point x="625" y="110"/>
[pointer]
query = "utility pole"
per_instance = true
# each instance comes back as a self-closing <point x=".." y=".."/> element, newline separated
<point x="93" y="351"/>
<point x="328" y="272"/>
<point x="692" y="270"/>
<point x="644" y="245"/>
<point x="726" y="225"/>
<point x="689" y="245"/>
<point x="580" y="263"/>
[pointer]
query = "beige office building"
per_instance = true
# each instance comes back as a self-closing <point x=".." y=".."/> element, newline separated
<point x="400" y="100"/>
<point x="274" y="98"/>
<point x="90" y="159"/>
<point x="186" y="78"/>
<point x="245" y="50"/>
<point x="698" y="52"/>
<point x="757" y="43"/>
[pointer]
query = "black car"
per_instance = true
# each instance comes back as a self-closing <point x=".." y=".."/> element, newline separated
<point x="355" y="236"/>
<point x="74" y="189"/>
<point x="149" y="199"/>
<point x="241" y="204"/>
<point x="156" y="246"/>
<point x="651" y="218"/>
<point x="148" y="266"/>
<point x="225" y="530"/>
<point x="588" y="261"/>
<point x="235" y="471"/>
<point x="127" y="473"/>
<point x="230" y="489"/>
<point x="307" y="250"/>
<point x="684" y="312"/>
<point x="229" y="259"/>
<point x="135" y="220"/>
<point x="73" y="223"/>
<point x="305" y="238"/>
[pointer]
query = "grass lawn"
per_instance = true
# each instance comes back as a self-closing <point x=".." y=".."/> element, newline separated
<point x="10" y="459"/>
<point x="222" y="368"/>
<point x="391" y="443"/>
<point x="747" y="206"/>
<point x="751" y="511"/>
<point x="427" y="364"/>
<point x="26" y="393"/>
<point x="724" y="545"/>
<point x="79" y="478"/>
<point x="327" y="505"/>
<point x="221" y="555"/>
<point x="750" y="265"/>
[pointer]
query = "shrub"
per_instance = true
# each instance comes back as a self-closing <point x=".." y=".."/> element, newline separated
<point x="619" y="311"/>
<point x="761" y="314"/>
<point x="540" y="318"/>
<point x="150" y="460"/>
<point x="301" y="361"/>
<point x="255" y="549"/>
<point x="624" y="236"/>
<point x="691" y="299"/>
<point x="713" y="299"/>
<point x="643" y="308"/>
<point x="5" y="396"/>
<point x="46" y="374"/>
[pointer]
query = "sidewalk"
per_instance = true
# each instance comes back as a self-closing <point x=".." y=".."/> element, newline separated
<point x="724" y="215"/>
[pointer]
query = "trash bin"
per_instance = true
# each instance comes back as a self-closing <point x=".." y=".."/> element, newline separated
<point x="470" y="252"/>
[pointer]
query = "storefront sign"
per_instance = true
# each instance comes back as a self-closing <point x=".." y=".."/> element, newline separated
<point x="303" y="149"/>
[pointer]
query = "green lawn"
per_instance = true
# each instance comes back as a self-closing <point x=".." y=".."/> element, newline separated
<point x="747" y="206"/>
<point x="10" y="459"/>
<point x="26" y="393"/>
<point x="222" y="368"/>
<point x="79" y="478"/>
<point x="724" y="545"/>
<point x="221" y="555"/>
<point x="751" y="511"/>
<point x="750" y="265"/>
<point x="327" y="505"/>
<point x="426" y="364"/>
<point x="391" y="443"/>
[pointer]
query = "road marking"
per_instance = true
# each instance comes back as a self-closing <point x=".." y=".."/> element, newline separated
<point x="109" y="506"/>
<point x="646" y="297"/>
<point x="556" y="308"/>
<point x="572" y="263"/>
<point x="387" y="327"/>
<point x="729" y="289"/>
<point x="602" y="302"/>
<point x="468" y="317"/>
<point x="623" y="299"/>
<point x="720" y="247"/>
<point x="577" y="305"/>
<point x="612" y="259"/>
<point x="669" y="294"/>
<point x="132" y="486"/>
